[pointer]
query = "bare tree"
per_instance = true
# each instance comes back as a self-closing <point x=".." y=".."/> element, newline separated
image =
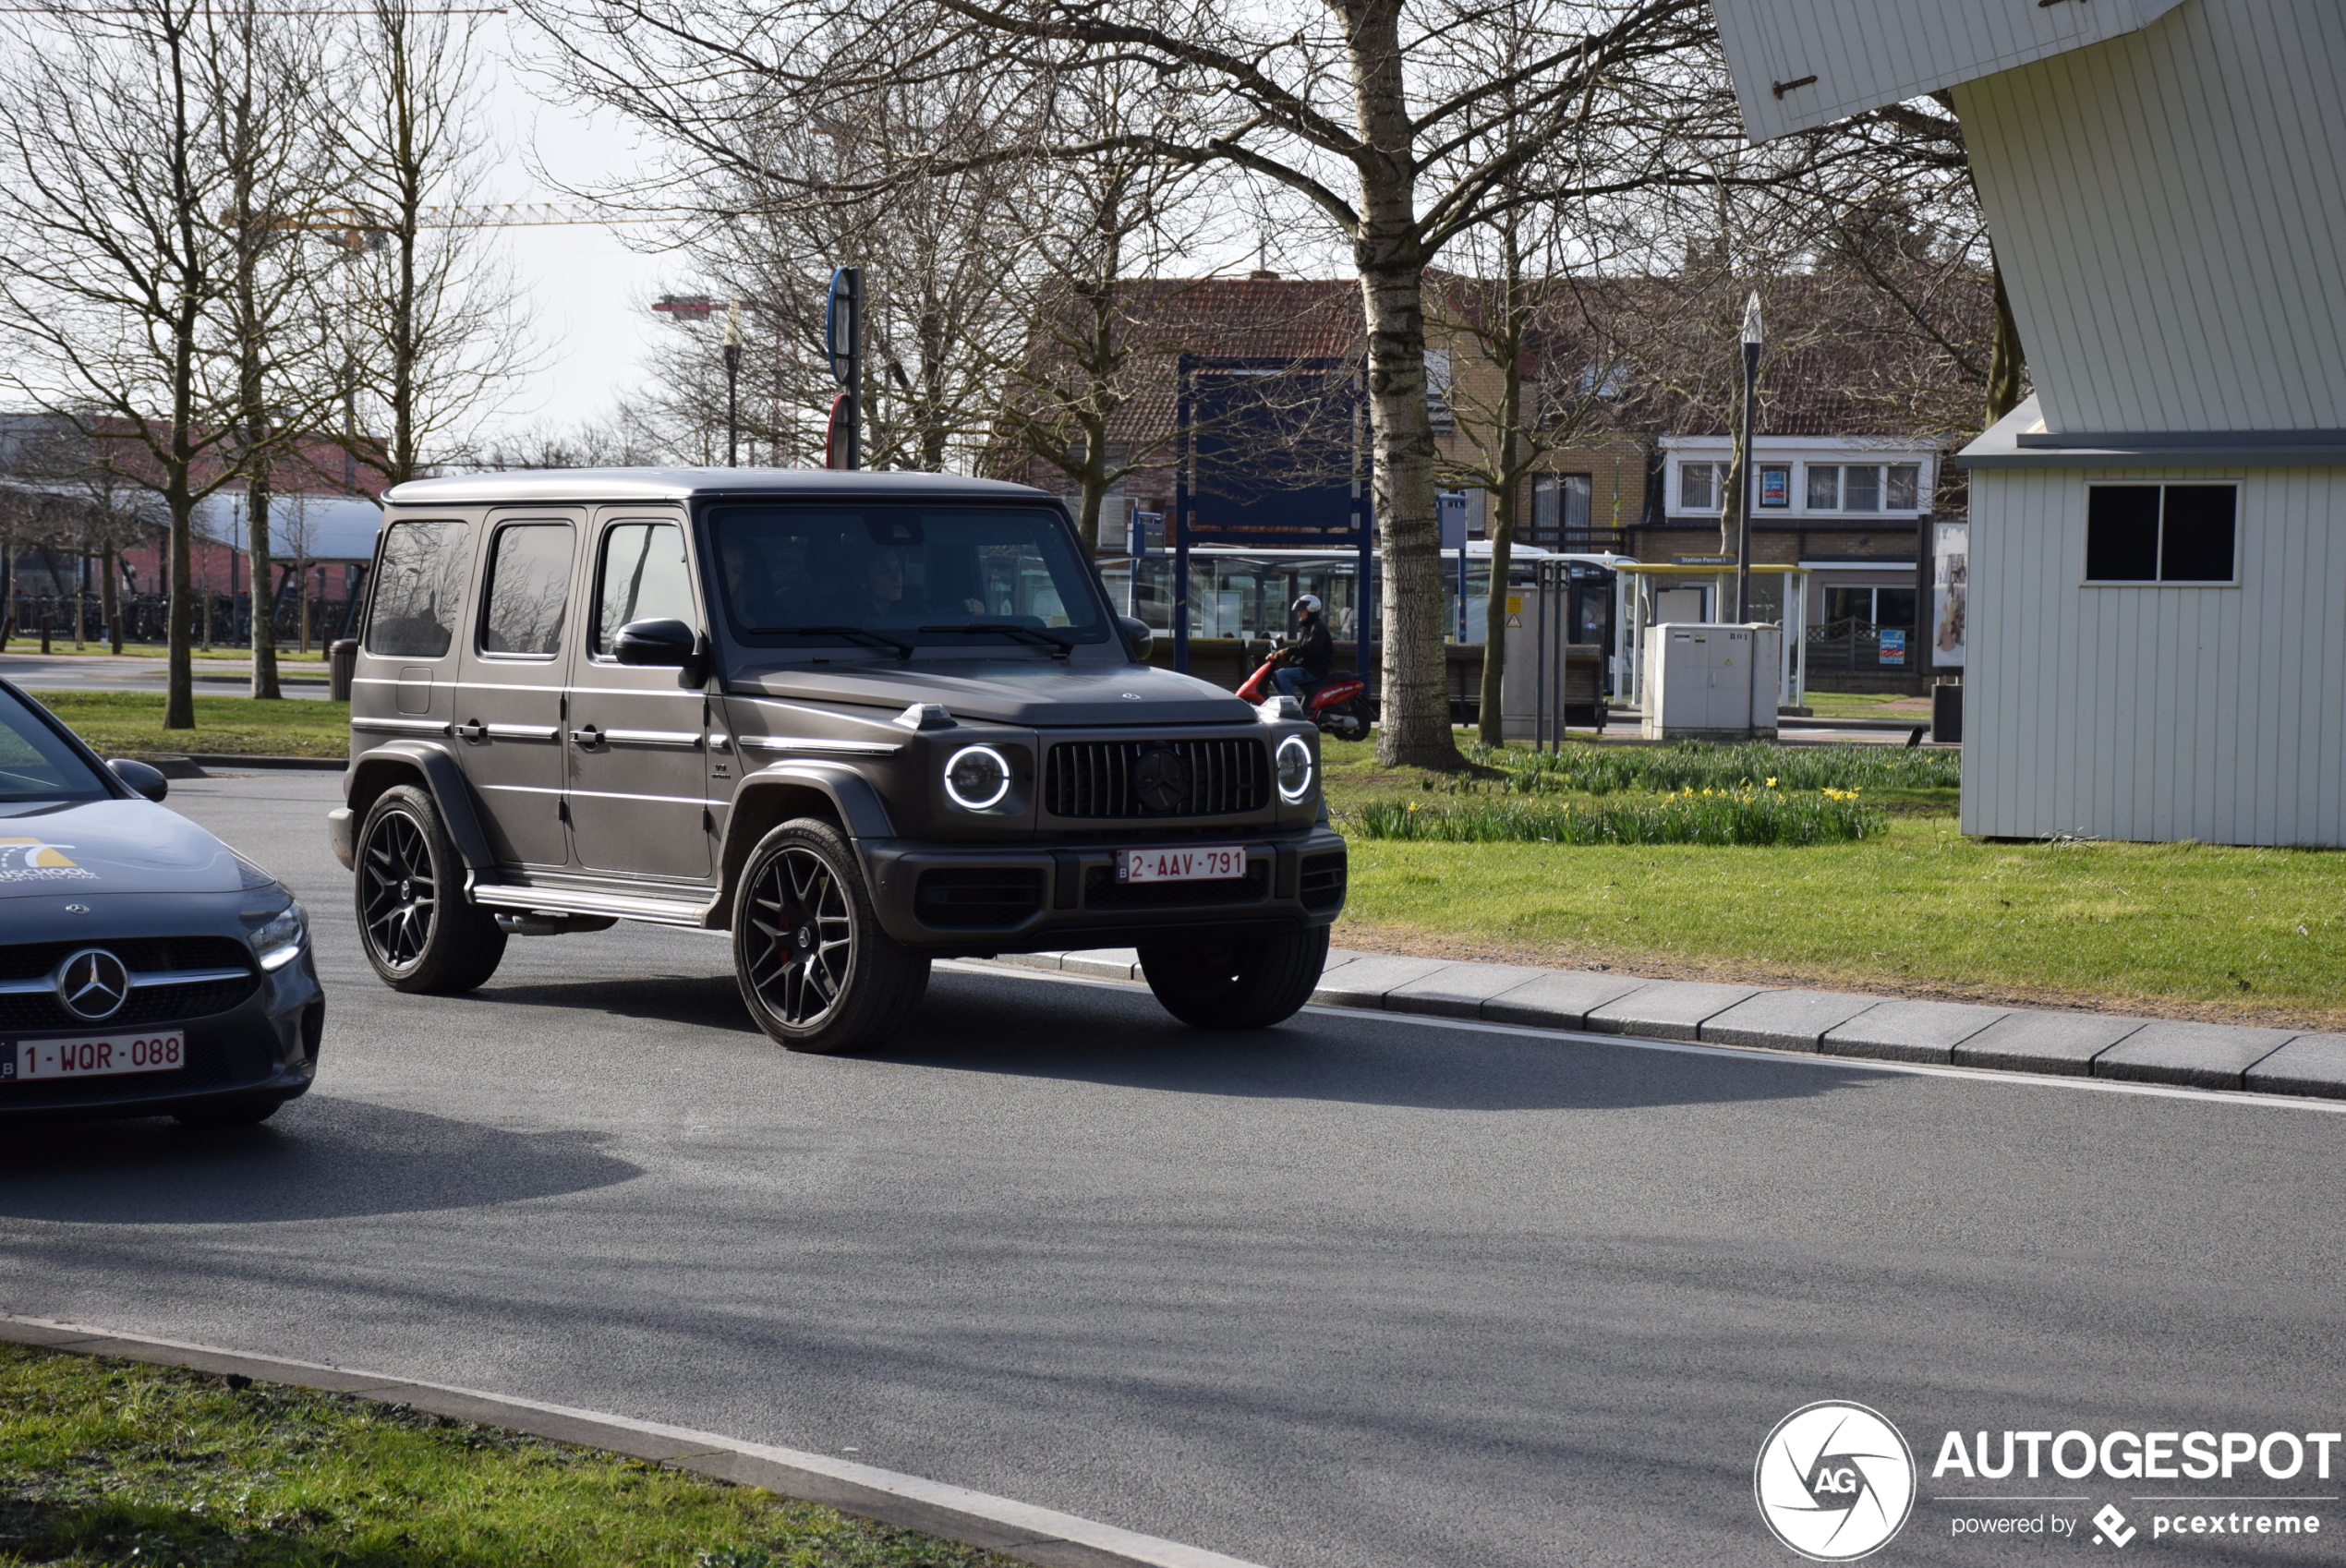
<point x="434" y="326"/>
<point x="273" y="128"/>
<point x="113" y="261"/>
<point x="1372" y="111"/>
<point x="1903" y="214"/>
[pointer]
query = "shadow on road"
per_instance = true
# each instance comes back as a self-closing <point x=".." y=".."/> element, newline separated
<point x="1093" y="1034"/>
<point x="321" y="1158"/>
<point x="698" y="1002"/>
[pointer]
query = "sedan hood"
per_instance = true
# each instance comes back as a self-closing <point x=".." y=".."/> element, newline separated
<point x="109" y="847"/>
<point x="1038" y="692"/>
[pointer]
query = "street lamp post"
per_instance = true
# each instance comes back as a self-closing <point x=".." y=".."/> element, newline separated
<point x="732" y="383"/>
<point x="1751" y="341"/>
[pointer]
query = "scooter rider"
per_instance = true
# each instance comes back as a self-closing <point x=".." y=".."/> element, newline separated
<point x="1305" y="662"/>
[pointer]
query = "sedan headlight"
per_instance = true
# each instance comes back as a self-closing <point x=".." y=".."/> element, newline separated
<point x="1294" y="759"/>
<point x="280" y="942"/>
<point x="977" y="778"/>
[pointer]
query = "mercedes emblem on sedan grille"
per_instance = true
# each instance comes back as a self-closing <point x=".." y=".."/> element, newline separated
<point x="92" y="984"/>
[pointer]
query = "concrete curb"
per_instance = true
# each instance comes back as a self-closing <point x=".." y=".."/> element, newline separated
<point x="1830" y="1023"/>
<point x="1040" y="1536"/>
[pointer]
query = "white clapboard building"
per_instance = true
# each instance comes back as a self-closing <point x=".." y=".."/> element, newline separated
<point x="2158" y="567"/>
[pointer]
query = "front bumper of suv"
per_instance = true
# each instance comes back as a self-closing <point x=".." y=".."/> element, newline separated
<point x="950" y="898"/>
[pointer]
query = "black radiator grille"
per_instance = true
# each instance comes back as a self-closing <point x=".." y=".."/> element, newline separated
<point x="26" y="1011"/>
<point x="1126" y="779"/>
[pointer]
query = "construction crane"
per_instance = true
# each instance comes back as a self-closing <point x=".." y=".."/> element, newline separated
<point x="356" y="229"/>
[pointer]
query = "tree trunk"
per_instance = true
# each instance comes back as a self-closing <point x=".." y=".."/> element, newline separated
<point x="1414" y="730"/>
<point x="1413" y="727"/>
<point x="2005" y="361"/>
<point x="179" y="700"/>
<point x="264" y="623"/>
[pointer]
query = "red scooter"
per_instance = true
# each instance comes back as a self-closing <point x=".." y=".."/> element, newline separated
<point x="1339" y="706"/>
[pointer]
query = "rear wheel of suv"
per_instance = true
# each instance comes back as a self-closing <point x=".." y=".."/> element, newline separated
<point x="419" y="930"/>
<point x="1248" y="983"/>
<point x="816" y="969"/>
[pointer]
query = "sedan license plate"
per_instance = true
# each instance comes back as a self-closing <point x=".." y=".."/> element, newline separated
<point x="1180" y="866"/>
<point x="96" y="1056"/>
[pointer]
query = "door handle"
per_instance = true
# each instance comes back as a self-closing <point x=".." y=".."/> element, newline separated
<point x="473" y="730"/>
<point x="590" y="737"/>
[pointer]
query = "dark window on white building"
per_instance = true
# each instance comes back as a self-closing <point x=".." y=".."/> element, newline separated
<point x="2161" y="533"/>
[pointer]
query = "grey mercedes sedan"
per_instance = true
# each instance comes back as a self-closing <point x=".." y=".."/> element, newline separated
<point x="146" y="969"/>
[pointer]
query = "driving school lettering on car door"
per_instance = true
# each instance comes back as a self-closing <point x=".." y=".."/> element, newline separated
<point x="33" y="860"/>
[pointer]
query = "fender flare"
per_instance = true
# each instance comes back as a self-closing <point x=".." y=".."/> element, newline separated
<point x="438" y="771"/>
<point x="859" y="807"/>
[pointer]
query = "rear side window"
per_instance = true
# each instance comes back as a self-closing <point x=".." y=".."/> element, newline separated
<point x="643" y="578"/>
<point x="529" y="589"/>
<point x="419" y="589"/>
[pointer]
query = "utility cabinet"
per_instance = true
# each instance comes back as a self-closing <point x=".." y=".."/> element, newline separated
<point x="1711" y="682"/>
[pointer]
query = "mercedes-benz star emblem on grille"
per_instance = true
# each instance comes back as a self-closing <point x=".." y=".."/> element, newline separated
<point x="92" y="984"/>
<point x="1162" y="779"/>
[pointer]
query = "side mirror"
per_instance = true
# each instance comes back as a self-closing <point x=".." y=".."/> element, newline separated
<point x="1139" y="641"/>
<point x="148" y="781"/>
<point x="659" y="645"/>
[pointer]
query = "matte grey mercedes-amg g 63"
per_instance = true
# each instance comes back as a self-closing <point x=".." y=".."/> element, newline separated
<point x="860" y="721"/>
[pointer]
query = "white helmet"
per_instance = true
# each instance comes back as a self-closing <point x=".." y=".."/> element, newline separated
<point x="1308" y="605"/>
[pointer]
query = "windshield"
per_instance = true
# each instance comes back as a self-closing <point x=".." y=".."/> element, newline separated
<point x="898" y="576"/>
<point x="37" y="764"/>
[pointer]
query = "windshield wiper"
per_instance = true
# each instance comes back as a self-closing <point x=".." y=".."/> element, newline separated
<point x="1060" y="646"/>
<point x="852" y="633"/>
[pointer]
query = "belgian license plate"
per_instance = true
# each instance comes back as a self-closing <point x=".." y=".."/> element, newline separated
<point x="1180" y="866"/>
<point x="94" y="1055"/>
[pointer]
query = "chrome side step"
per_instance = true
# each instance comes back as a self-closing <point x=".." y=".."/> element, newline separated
<point x="580" y="901"/>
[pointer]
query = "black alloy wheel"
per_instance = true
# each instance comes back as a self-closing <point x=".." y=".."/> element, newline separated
<point x="420" y="932"/>
<point x="1237" y="983"/>
<point x="816" y="969"/>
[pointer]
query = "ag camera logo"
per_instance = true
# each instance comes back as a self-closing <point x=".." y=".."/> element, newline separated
<point x="1834" y="1481"/>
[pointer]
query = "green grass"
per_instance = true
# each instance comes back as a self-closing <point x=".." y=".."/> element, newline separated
<point x="1867" y="705"/>
<point x="1728" y="816"/>
<point x="62" y="647"/>
<point x="128" y="723"/>
<point x="2208" y="930"/>
<point x="1585" y="767"/>
<point x="114" y="1463"/>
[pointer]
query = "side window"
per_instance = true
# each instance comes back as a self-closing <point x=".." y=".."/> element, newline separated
<point x="1824" y="487"/>
<point x="418" y="590"/>
<point x="529" y="586"/>
<point x="2159" y="533"/>
<point x="643" y="577"/>
<point x="1698" y="487"/>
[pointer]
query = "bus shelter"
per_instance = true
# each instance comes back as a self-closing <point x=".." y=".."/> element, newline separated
<point x="1655" y="595"/>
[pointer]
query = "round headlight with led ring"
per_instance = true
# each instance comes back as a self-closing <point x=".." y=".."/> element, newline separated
<point x="1294" y="761"/>
<point x="976" y="777"/>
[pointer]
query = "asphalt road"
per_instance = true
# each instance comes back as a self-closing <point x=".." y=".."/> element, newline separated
<point x="1356" y="1293"/>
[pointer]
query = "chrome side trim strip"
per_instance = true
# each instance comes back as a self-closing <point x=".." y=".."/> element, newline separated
<point x="524" y="733"/>
<point x="681" y="740"/>
<point x="578" y="901"/>
<point x="812" y="743"/>
<point x="403" y="725"/>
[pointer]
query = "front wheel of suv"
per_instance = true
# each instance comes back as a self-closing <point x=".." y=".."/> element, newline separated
<point x="1250" y="984"/>
<point x="419" y="930"/>
<point x="816" y="969"/>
